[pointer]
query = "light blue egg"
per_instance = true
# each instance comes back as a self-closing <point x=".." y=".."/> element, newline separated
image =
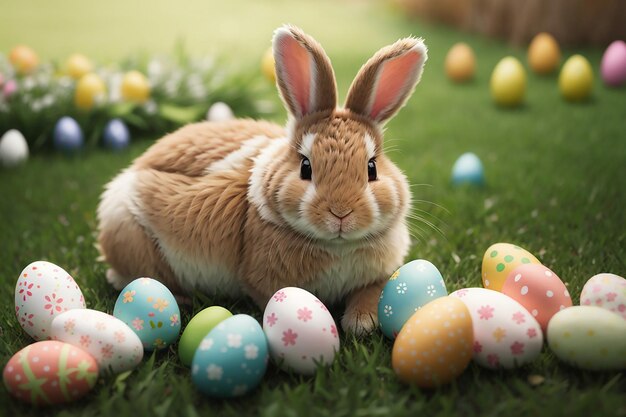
<point x="468" y="170"/>
<point x="67" y="135"/>
<point x="150" y="309"/>
<point x="412" y="286"/>
<point x="116" y="135"/>
<point x="232" y="359"/>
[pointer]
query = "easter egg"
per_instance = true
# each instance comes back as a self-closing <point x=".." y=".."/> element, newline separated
<point x="576" y="79"/>
<point x="116" y="135"/>
<point x="23" y="59"/>
<point x="50" y="372"/>
<point x="300" y="331"/>
<point x="13" y="148"/>
<point x="198" y="327"/>
<point x="499" y="260"/>
<point x="135" y="87"/>
<point x="268" y="65"/>
<point x="460" y="63"/>
<point x="9" y="88"/>
<point x="219" y="112"/>
<point x="43" y="291"/>
<point x="149" y="308"/>
<point x="589" y="337"/>
<point x="613" y="67"/>
<point x="90" y="90"/>
<point x="114" y="346"/>
<point x="412" y="286"/>
<point x="435" y="344"/>
<point x="78" y="65"/>
<point x="544" y="54"/>
<point x="468" y="170"/>
<point x="607" y="291"/>
<point x="505" y="334"/>
<point x="67" y="136"/>
<point x="232" y="359"/>
<point x="508" y="82"/>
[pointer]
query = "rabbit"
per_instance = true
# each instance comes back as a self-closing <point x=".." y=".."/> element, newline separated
<point x="246" y="207"/>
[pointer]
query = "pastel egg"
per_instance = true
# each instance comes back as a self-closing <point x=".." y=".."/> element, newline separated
<point x="116" y="135"/>
<point x="90" y="90"/>
<point x="78" y="65"/>
<point x="198" y="327"/>
<point x="150" y="309"/>
<point x="112" y="343"/>
<point x="232" y="359"/>
<point x="268" y="65"/>
<point x="43" y="291"/>
<point x="13" y="148"/>
<point x="24" y="59"/>
<point x="460" y="63"/>
<point x="135" y="87"/>
<point x="505" y="334"/>
<point x="544" y="54"/>
<point x="67" y="135"/>
<point x="499" y="260"/>
<point x="576" y="79"/>
<point x="435" y="344"/>
<point x="508" y="82"/>
<point x="301" y="332"/>
<point x="607" y="291"/>
<point x="50" y="372"/>
<point x="589" y="337"/>
<point x="613" y="68"/>
<point x="539" y="290"/>
<point x="219" y="112"/>
<point x="468" y="169"/>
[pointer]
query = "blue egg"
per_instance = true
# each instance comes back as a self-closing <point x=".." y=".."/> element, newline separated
<point x="67" y="135"/>
<point x="116" y="135"/>
<point x="468" y="170"/>
<point x="149" y="308"/>
<point x="410" y="288"/>
<point x="232" y="359"/>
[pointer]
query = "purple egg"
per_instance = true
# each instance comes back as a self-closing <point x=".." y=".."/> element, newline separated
<point x="116" y="135"/>
<point x="613" y="66"/>
<point x="67" y="136"/>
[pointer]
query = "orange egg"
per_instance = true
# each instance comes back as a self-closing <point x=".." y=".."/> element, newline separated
<point x="24" y="59"/>
<point x="544" y="54"/>
<point x="460" y="63"/>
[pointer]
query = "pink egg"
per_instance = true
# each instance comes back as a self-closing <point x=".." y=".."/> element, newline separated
<point x="613" y="66"/>
<point x="539" y="290"/>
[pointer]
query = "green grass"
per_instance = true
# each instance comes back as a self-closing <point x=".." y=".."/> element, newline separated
<point x="555" y="185"/>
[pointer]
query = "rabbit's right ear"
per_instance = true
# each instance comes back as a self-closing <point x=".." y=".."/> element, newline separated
<point x="303" y="73"/>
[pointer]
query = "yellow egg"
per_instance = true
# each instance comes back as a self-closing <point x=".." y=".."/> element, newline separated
<point x="460" y="63"/>
<point x="508" y="82"/>
<point x="544" y="54"/>
<point x="89" y="89"/>
<point x="499" y="260"/>
<point x="576" y="79"/>
<point x="78" y="65"/>
<point x="135" y="87"/>
<point x="435" y="344"/>
<point x="268" y="65"/>
<point x="23" y="59"/>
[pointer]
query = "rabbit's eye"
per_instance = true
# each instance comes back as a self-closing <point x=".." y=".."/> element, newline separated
<point x="305" y="169"/>
<point x="372" y="174"/>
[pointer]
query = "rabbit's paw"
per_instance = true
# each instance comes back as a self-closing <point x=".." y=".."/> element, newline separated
<point x="359" y="322"/>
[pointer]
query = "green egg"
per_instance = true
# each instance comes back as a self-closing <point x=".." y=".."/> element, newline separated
<point x="199" y="326"/>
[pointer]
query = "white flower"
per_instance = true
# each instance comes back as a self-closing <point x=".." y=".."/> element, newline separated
<point x="214" y="372"/>
<point x="388" y="310"/>
<point x="430" y="290"/>
<point x="420" y="266"/>
<point x="234" y="340"/>
<point x="206" y="344"/>
<point x="252" y="351"/>
<point x="401" y="288"/>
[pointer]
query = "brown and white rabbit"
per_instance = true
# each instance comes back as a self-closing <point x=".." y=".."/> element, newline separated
<point x="247" y="207"/>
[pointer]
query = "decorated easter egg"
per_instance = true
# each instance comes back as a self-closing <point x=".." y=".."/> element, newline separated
<point x="116" y="135"/>
<point x="607" y="291"/>
<point x="67" y="136"/>
<point x="589" y="337"/>
<point x="23" y="59"/>
<point x="13" y="148"/>
<point x="135" y="87"/>
<point x="232" y="359"/>
<point x="544" y="54"/>
<point x="412" y="286"/>
<point x="460" y="63"/>
<point x="43" y="291"/>
<point x="435" y="344"/>
<point x="505" y="334"/>
<point x="268" y="65"/>
<point x="219" y="112"/>
<point x="499" y="260"/>
<point x="300" y="331"/>
<point x="78" y="65"/>
<point x="198" y="327"/>
<point x="539" y="290"/>
<point x="90" y="90"/>
<point x="468" y="170"/>
<point x="613" y="67"/>
<point x="508" y="82"/>
<point x="111" y="342"/>
<point x="576" y="79"/>
<point x="149" y="308"/>
<point x="50" y="372"/>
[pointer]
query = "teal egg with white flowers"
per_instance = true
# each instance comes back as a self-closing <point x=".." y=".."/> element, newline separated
<point x="149" y="308"/>
<point x="411" y="287"/>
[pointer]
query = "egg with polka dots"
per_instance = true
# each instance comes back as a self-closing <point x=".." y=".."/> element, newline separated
<point x="232" y="359"/>
<point x="539" y="290"/>
<point x="607" y="291"/>
<point x="43" y="291"/>
<point x="589" y="337"/>
<point x="506" y="335"/>
<point x="412" y="286"/>
<point x="50" y="372"/>
<point x="498" y="262"/>
<point x="435" y="344"/>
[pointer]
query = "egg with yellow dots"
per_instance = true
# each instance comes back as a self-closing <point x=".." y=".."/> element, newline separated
<point x="460" y="63"/>
<point x="268" y="65"/>
<point x="508" y="82"/>
<point x="576" y="79"/>
<point x="78" y="65"/>
<point x="24" y="59"/>
<point x="89" y="90"/>
<point x="499" y="260"/>
<point x="135" y="87"/>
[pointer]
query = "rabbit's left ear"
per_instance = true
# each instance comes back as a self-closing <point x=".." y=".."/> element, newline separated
<point x="387" y="80"/>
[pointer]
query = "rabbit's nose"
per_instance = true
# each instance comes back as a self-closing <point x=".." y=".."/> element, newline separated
<point x="341" y="213"/>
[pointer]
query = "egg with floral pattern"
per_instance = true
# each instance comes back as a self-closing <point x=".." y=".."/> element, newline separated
<point x="607" y="291"/>
<point x="43" y="291"/>
<point x="150" y="309"/>
<point x="412" y="286"/>
<point x="499" y="260"/>
<point x="232" y="359"/>
<point x="506" y="335"/>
